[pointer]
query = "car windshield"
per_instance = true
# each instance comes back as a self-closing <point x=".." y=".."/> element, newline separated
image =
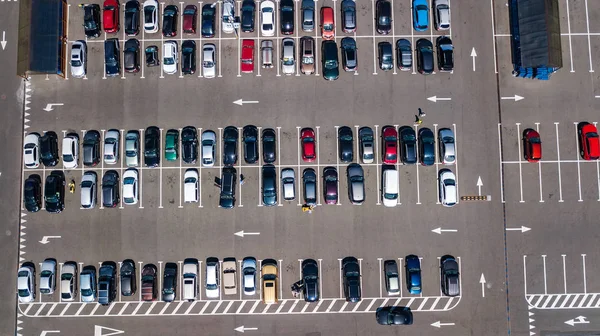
<point x="391" y="156"/>
<point x="384" y="20"/>
<point x="390" y="196"/>
<point x="211" y="286"/>
<point x="148" y="17"/>
<point x="308" y="140"/>
<point x="86" y="291"/>
<point x="330" y="64"/>
<point x="68" y="157"/>
<point x="130" y="153"/>
<point x="449" y="182"/>
<point x="75" y="63"/>
<point x="269" y="277"/>
<point x="288" y="61"/>
<point x="168" y="291"/>
<point x="310" y="277"/>
<point x="208" y="64"/>
<point x="308" y="60"/>
<point x="169" y="61"/>
<point x="390" y="138"/>
<point x="533" y="140"/>
<point x="328" y="27"/>
<point x="23" y="292"/>
<point x="267" y="26"/>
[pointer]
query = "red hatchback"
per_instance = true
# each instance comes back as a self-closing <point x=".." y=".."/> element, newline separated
<point x="532" y="145"/>
<point x="190" y="17"/>
<point x="307" y="137"/>
<point x="110" y="16"/>
<point x="247" y="56"/>
<point x="589" y="143"/>
<point x="389" y="137"/>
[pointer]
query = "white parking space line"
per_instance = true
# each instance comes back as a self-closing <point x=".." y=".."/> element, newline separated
<point x="378" y="163"/>
<point x="520" y="161"/>
<point x="545" y="280"/>
<point x="360" y="265"/>
<point x="578" y="166"/>
<point x="260" y="169"/>
<point x="67" y="34"/>
<point x="399" y="202"/>
<point x="180" y="270"/>
<point x="564" y="271"/>
<point x="560" y="198"/>
<point x="298" y="156"/>
<point x="218" y="18"/>
<point x="400" y="272"/>
<point x="393" y="38"/>
<point x="340" y="273"/>
<point x="101" y="166"/>
<point x="180" y="154"/>
<point x="122" y="158"/>
<point x="239" y="41"/>
<point x="280" y="279"/>
<point x="584" y="275"/>
<point x="356" y="140"/>
<point x="437" y="162"/>
<point x="417" y="168"/>
<point x="60" y="265"/>
<point x="494" y="40"/>
<point x="160" y="166"/>
<point x="141" y="153"/>
<point x="587" y="19"/>
<point x="277" y="37"/>
<point x="500" y="160"/>
<point x="200" y="47"/>
<point x="318" y="172"/>
<point x="200" y="168"/>
<point x="337" y="160"/>
<point x="569" y="32"/>
<point x="525" y="274"/>
<point x="124" y="39"/>
<point x="374" y="50"/>
<point x="240" y="165"/>
<point x="296" y="38"/>
<point x="181" y="38"/>
<point x="380" y="277"/>
<point x="456" y="165"/>
<point x="140" y="280"/>
<point x="162" y="44"/>
<point x="200" y="277"/>
<point x="597" y="169"/>
<point x="143" y="50"/>
<point x="316" y="29"/>
<point x="537" y="128"/>
<point x="118" y="274"/>
<point x="159" y="280"/>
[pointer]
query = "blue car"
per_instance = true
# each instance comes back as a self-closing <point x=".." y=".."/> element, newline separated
<point x="413" y="274"/>
<point x="420" y="15"/>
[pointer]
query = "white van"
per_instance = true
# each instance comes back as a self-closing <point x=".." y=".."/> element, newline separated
<point x="389" y="187"/>
<point x="190" y="186"/>
<point x="190" y="279"/>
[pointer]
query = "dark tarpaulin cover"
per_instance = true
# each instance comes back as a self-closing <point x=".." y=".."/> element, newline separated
<point x="539" y="26"/>
<point x="45" y="45"/>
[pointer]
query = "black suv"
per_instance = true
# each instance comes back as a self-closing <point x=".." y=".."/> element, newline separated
<point x="351" y="273"/>
<point x="426" y="147"/>
<point x="445" y="53"/>
<point x="189" y="144"/>
<point x="128" y="279"/>
<point x="250" y="136"/>
<point x="269" y="145"/>
<point x="152" y="146"/>
<point x="132" y="18"/>
<point x="169" y="282"/>
<point x="54" y="192"/>
<point x="32" y="193"/>
<point x="228" y="182"/>
<point x="110" y="189"/>
<point x="107" y="283"/>
<point x="91" y="20"/>
<point x="112" y="59"/>
<point x="230" y="140"/>
<point x="49" y="149"/>
<point x="91" y="148"/>
<point x="188" y="57"/>
<point x="131" y="55"/>
<point x="286" y="17"/>
<point x="310" y="278"/>
<point x="269" y="185"/>
<point x="408" y="145"/>
<point x="383" y="17"/>
<point x="248" y="13"/>
<point x="450" y="276"/>
<point x="424" y="56"/>
<point x="170" y="21"/>
<point x="208" y="20"/>
<point x="345" y="144"/>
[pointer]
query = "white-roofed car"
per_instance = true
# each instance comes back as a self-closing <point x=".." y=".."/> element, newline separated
<point x="132" y="151"/>
<point x="208" y="60"/>
<point x="48" y="276"/>
<point x="288" y="56"/>
<point x="249" y="275"/>
<point x="130" y="186"/>
<point x="190" y="185"/>
<point x="111" y="146"/>
<point x="288" y="182"/>
<point x="150" y="16"/>
<point x="190" y="279"/>
<point x="88" y="189"/>
<point x="209" y="139"/>
<point x="228" y="16"/>
<point x="31" y="150"/>
<point x="267" y="18"/>
<point x="68" y="281"/>
<point x="441" y="14"/>
<point x="170" y="57"/>
<point x="448" y="192"/>
<point x="447" y="147"/>
<point x="78" y="59"/>
<point x="70" y="150"/>
<point x="229" y="276"/>
<point x="26" y="283"/>
<point x="212" y="278"/>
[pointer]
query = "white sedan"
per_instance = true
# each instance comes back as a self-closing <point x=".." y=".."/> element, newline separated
<point x="448" y="192"/>
<point x="150" y="16"/>
<point x="209" y="138"/>
<point x="70" y="150"/>
<point x="170" y="57"/>
<point x="208" y="60"/>
<point x="267" y="16"/>
<point x="78" y="59"/>
<point x="31" y="150"/>
<point x="111" y="146"/>
<point x="228" y="15"/>
<point x="26" y="284"/>
<point x="130" y="186"/>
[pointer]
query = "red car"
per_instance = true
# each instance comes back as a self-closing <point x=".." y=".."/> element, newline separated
<point x="307" y="137"/>
<point x="190" y="17"/>
<point x="247" y="56"/>
<point x="111" y="16"/>
<point x="532" y="145"/>
<point x="389" y="137"/>
<point x="589" y="144"/>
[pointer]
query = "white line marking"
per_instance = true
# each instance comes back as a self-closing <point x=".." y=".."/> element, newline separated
<point x="587" y="19"/>
<point x="520" y="161"/>
<point x="545" y="282"/>
<point x="560" y="198"/>
<point x="500" y="157"/>
<point x="578" y="166"/>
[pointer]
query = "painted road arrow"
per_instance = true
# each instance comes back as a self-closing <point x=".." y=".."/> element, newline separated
<point x="474" y="55"/>
<point x="439" y="324"/>
<point x="479" y="184"/>
<point x="49" y="108"/>
<point x="244" y="329"/>
<point x="3" y="42"/>
<point x="46" y="332"/>
<point x="242" y="233"/>
<point x="242" y="102"/>
<point x="522" y="229"/>
<point x="98" y="331"/>
<point x="577" y="320"/>
<point x="435" y="99"/>
<point x="515" y="98"/>
<point x="482" y="282"/>
<point x="45" y="240"/>
<point x="440" y="230"/>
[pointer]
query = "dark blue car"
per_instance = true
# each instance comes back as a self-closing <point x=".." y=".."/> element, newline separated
<point x="413" y="274"/>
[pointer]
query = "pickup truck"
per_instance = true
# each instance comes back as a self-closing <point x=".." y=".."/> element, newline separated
<point x="107" y="284"/>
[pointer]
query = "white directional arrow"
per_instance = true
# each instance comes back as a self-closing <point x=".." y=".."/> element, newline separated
<point x="482" y="282"/>
<point x="45" y="240"/>
<point x="522" y="229"/>
<point x="244" y="329"/>
<point x="439" y="324"/>
<point x="515" y="98"/>
<point x="473" y="54"/>
<point x="479" y="184"/>
<point x="46" y="332"/>
<point x="242" y="233"/>
<point x="435" y="99"/>
<point x="3" y="42"/>
<point x="98" y="331"/>
<point x="49" y="108"/>
<point x="242" y="102"/>
<point x="440" y="230"/>
<point x="577" y="320"/>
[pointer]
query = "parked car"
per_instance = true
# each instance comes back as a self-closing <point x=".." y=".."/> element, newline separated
<point x="208" y="60"/>
<point x="213" y="276"/>
<point x="269" y="145"/>
<point x="307" y="52"/>
<point x="266" y="51"/>
<point x="227" y="16"/>
<point x="78" y="59"/>
<point x="249" y="275"/>
<point x="270" y="281"/>
<point x="248" y="14"/>
<point x="307" y="137"/>
<point x="393" y="315"/>
<point x="111" y="146"/>
<point x="450" y="276"/>
<point x="32" y="193"/>
<point x="389" y="186"/>
<point x="420" y="15"/>
<point x="345" y="144"/>
<point x="26" y="283"/>
<point x="208" y="20"/>
<point x="230" y="145"/>
<point x="330" y="185"/>
<point x="404" y="55"/>
<point x="189" y="144"/>
<point x="91" y="20"/>
<point x="110" y="16"/>
<point x="267" y="16"/>
<point x="132" y="148"/>
<point x="209" y="140"/>
<point x="110" y="189"/>
<point x="131" y="56"/>
<point x="172" y="145"/>
<point x="448" y="192"/>
<point x="286" y="16"/>
<point x="150" y="8"/>
<point x="107" y="283"/>
<point x="128" y="278"/>
<point x="149" y="287"/>
<point x="229" y="276"/>
<point x="424" y="56"/>
<point x="327" y="23"/>
<point x="190" y="279"/>
<point x="88" y="186"/>
<point x="445" y="54"/>
<point x="365" y="137"/>
<point x="447" y="148"/>
<point x="152" y="147"/>
<point x="70" y="150"/>
<point x="441" y="14"/>
<point x="426" y="147"/>
<point x="91" y="148"/>
<point x="288" y="56"/>
<point x="250" y="138"/>
<point x="170" y="279"/>
<point x="247" y="56"/>
<point x="308" y="15"/>
<point x="309" y="186"/>
<point x="112" y="58"/>
<point x="389" y="137"/>
<point x="48" y="276"/>
<point x="228" y="185"/>
<point x="392" y="278"/>
<point x="188" y="57"/>
<point x="190" y="185"/>
<point x="386" y="59"/>
<point x="288" y="184"/>
<point x="351" y="274"/>
<point x="383" y="17"/>
<point x="132" y="17"/>
<point x="170" y="57"/>
<point x="348" y="16"/>
<point x="190" y="19"/>
<point x="532" y="145"/>
<point x="412" y="269"/>
<point x="310" y="278"/>
<point x="87" y="284"/>
<point x="49" y="149"/>
<point x="152" y="58"/>
<point x="356" y="183"/>
<point x="589" y="143"/>
<point x="169" y="21"/>
<point x="269" y="185"/>
<point x="408" y="145"/>
<point x="54" y="192"/>
<point x="31" y="150"/>
<point x="349" y="53"/>
<point x="130" y="186"/>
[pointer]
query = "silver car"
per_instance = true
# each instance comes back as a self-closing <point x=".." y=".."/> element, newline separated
<point x="209" y="138"/>
<point x="308" y="15"/>
<point x="441" y="14"/>
<point x="132" y="148"/>
<point x="78" y="59"/>
<point x="288" y="183"/>
<point x="208" y="60"/>
<point x="88" y="190"/>
<point x="356" y="183"/>
<point x="31" y="150"/>
<point x="249" y="275"/>
<point x="48" y="276"/>
<point x="26" y="283"/>
<point x="68" y="281"/>
<point x="111" y="146"/>
<point x="87" y="284"/>
<point x="365" y="137"/>
<point x="288" y="59"/>
<point x="446" y="145"/>
<point x="228" y="15"/>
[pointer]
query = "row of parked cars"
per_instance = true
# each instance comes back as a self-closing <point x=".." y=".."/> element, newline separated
<point x="220" y="278"/>
<point x="587" y="136"/>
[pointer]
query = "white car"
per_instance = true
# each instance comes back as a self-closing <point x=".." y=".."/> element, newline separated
<point x="68" y="281"/>
<point x="447" y="148"/>
<point x="288" y="60"/>
<point x="78" y="59"/>
<point x="170" y="57"/>
<point x="48" y="276"/>
<point x="267" y="18"/>
<point x="212" y="278"/>
<point x="150" y="16"/>
<point x="130" y="186"/>
<point x="288" y="184"/>
<point x="441" y="14"/>
<point x="228" y="15"/>
<point x="190" y="186"/>
<point x="26" y="284"/>
<point x="249" y="275"/>
<point x="88" y="190"/>
<point x="31" y="150"/>
<point x="208" y="60"/>
<point x="448" y="192"/>
<point x="111" y="146"/>
<point x="132" y="152"/>
<point x="87" y="284"/>
<point x="209" y="139"/>
<point x="70" y="150"/>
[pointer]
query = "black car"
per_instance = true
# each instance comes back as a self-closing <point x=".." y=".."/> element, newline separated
<point x="345" y="144"/>
<point x="188" y="57"/>
<point x="426" y="147"/>
<point x="230" y="141"/>
<point x="91" y="20"/>
<point x="269" y="145"/>
<point x="49" y="149"/>
<point x="152" y="146"/>
<point x="54" y="192"/>
<point x="351" y="274"/>
<point x="329" y="60"/>
<point x="110" y="189"/>
<point x="349" y="16"/>
<point x="32" y="193"/>
<point x="424" y="56"/>
<point x="170" y="14"/>
<point x="449" y="276"/>
<point x="91" y="148"/>
<point x="131" y="55"/>
<point x="445" y="54"/>
<point x="310" y="278"/>
<point x="383" y="17"/>
<point x="394" y="315"/>
<point x="128" y="279"/>
<point x="269" y="185"/>
<point x="189" y="144"/>
<point x="112" y="58"/>
<point x="208" y="20"/>
<point x="132" y="18"/>
<point x="250" y="138"/>
<point x="408" y="145"/>
<point x="152" y="58"/>
<point x="228" y="184"/>
<point x="386" y="61"/>
<point x="403" y="55"/>
<point x="107" y="283"/>
<point x="349" y="54"/>
<point x="330" y="185"/>
<point x="248" y="14"/>
<point x="169" y="290"/>
<point x="286" y="16"/>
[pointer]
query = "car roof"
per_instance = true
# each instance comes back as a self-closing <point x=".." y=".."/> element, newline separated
<point x="424" y="43"/>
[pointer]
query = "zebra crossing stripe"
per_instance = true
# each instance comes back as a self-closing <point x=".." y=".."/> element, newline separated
<point x="78" y="311"/>
<point x="124" y="307"/>
<point x="206" y="306"/>
<point x="51" y="309"/>
<point x="194" y="303"/>
<point x="547" y="301"/>
<point x="226" y="308"/>
<point x="330" y="305"/>
<point x="253" y="307"/>
<point x="65" y="309"/>
<point x="358" y="305"/>
<point x="150" y="309"/>
<point x="371" y="304"/>
<point x="217" y="307"/>
<point x="448" y="304"/>
<point x="137" y="308"/>
<point x="293" y="306"/>
<point x="422" y="304"/>
<point x="562" y="305"/>
<point x="574" y="300"/>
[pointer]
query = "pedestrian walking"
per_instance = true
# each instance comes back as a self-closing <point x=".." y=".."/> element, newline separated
<point x="421" y="113"/>
<point x="418" y="121"/>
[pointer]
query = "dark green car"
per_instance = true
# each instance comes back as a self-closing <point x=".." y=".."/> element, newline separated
<point x="171" y="145"/>
<point x="329" y="57"/>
